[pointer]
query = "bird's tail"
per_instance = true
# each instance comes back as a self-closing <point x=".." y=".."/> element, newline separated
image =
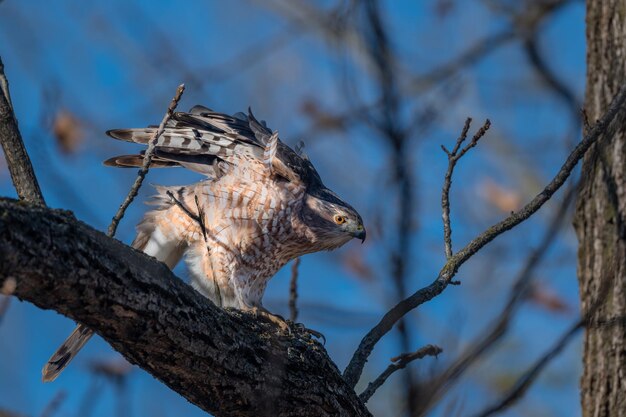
<point x="65" y="353"/>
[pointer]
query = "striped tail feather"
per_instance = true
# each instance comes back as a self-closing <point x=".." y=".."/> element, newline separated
<point x="66" y="352"/>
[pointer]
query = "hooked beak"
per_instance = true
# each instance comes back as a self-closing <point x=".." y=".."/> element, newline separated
<point x="360" y="233"/>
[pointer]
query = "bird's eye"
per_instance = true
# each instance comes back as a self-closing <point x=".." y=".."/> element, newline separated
<point x="339" y="219"/>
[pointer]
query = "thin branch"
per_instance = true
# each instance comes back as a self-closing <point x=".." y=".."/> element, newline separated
<point x="293" y="290"/>
<point x="201" y="220"/>
<point x="399" y="362"/>
<point x="453" y="158"/>
<point x="184" y="208"/>
<point x="18" y="162"/>
<point x="147" y="160"/>
<point x="603" y="127"/>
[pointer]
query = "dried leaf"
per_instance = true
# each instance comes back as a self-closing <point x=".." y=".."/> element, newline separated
<point x="68" y="131"/>
<point x="543" y="297"/>
<point x="502" y="198"/>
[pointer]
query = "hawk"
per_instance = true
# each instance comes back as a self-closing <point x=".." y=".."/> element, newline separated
<point x="262" y="205"/>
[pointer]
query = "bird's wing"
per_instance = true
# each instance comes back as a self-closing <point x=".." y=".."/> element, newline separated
<point x="201" y="138"/>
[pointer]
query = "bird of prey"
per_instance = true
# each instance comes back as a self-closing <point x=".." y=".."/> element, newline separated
<point x="262" y="205"/>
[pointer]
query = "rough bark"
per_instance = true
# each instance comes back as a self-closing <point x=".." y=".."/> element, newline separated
<point x="20" y="168"/>
<point x="226" y="362"/>
<point x="600" y="219"/>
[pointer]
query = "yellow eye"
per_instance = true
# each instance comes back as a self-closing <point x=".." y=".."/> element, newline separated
<point x="339" y="219"/>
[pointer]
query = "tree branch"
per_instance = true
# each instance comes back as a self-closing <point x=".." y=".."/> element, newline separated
<point x="147" y="160"/>
<point x="21" y="169"/>
<point x="399" y="362"/>
<point x="453" y="158"/>
<point x="226" y="362"/>
<point x="603" y="127"/>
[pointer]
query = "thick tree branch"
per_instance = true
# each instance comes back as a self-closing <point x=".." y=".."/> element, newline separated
<point x="226" y="362"/>
<point x="604" y="127"/>
<point x="21" y="169"/>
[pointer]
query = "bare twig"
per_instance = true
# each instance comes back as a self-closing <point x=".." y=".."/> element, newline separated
<point x="183" y="207"/>
<point x="293" y="290"/>
<point x="147" y="160"/>
<point x="208" y="249"/>
<point x="18" y="162"/>
<point x="453" y="158"/>
<point x="199" y="218"/>
<point x="399" y="362"/>
<point x="603" y="127"/>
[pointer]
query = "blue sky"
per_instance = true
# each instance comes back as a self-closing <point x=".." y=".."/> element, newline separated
<point x="117" y="64"/>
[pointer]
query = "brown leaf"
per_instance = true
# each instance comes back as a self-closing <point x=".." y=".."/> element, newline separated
<point x="503" y="199"/>
<point x="543" y="297"/>
<point x="68" y="131"/>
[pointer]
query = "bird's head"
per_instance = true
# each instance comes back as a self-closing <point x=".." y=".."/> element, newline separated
<point x="331" y="221"/>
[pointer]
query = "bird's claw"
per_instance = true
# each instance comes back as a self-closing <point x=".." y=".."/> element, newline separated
<point x="274" y="318"/>
<point x="285" y="325"/>
<point x="312" y="332"/>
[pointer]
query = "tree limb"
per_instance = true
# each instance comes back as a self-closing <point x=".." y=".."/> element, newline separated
<point x="21" y="169"/>
<point x="399" y="362"/>
<point x="603" y="127"/>
<point x="225" y="362"/>
<point x="147" y="160"/>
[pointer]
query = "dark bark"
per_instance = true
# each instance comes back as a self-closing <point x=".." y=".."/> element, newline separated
<point x="600" y="219"/>
<point x="226" y="362"/>
<point x="20" y="168"/>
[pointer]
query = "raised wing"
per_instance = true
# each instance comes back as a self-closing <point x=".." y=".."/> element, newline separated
<point x="200" y="139"/>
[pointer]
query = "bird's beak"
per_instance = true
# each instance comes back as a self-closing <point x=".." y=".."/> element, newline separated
<point x="360" y="233"/>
